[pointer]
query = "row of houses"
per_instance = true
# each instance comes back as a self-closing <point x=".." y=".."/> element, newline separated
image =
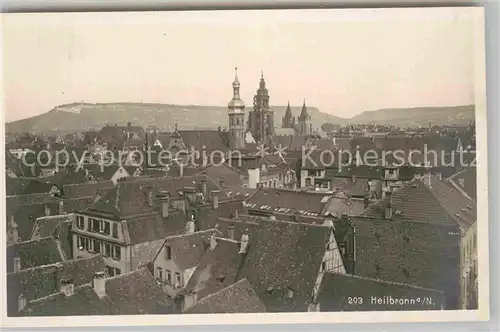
<point x="195" y="246"/>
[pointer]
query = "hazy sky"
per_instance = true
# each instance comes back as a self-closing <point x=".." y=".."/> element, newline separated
<point x="342" y="61"/>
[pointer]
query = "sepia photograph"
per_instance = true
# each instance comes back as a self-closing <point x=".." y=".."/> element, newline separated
<point x="327" y="164"/>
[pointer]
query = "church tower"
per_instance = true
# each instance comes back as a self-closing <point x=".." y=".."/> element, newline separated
<point x="304" y="123"/>
<point x="236" y="110"/>
<point x="261" y="118"/>
<point x="288" y="119"/>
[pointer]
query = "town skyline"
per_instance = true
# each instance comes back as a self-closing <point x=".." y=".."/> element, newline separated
<point x="81" y="63"/>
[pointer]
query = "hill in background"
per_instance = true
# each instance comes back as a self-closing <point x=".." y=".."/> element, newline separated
<point x="82" y="117"/>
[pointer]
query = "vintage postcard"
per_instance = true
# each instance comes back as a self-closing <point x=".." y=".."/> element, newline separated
<point x="243" y="167"/>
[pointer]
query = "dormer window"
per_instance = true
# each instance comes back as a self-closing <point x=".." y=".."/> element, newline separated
<point x="168" y="253"/>
<point x="290" y="293"/>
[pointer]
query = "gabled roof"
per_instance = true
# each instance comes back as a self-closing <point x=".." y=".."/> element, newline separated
<point x="43" y="281"/>
<point x="154" y="227"/>
<point x="207" y="216"/>
<point x="288" y="201"/>
<point x="239" y="297"/>
<point x="187" y="249"/>
<point x="285" y="256"/>
<point x="242" y="193"/>
<point x="198" y="139"/>
<point x="26" y="186"/>
<point x="217" y="268"/>
<point x="336" y="290"/>
<point x="423" y="254"/>
<point x="49" y="225"/>
<point x="35" y="253"/>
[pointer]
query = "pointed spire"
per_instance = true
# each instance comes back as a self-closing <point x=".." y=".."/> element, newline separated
<point x="262" y="84"/>
<point x="236" y="82"/>
<point x="303" y="114"/>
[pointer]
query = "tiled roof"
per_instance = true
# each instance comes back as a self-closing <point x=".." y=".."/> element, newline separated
<point x="361" y="172"/>
<point x="467" y="181"/>
<point x="35" y="253"/>
<point x="285" y="256"/>
<point x="239" y="297"/>
<point x="154" y="227"/>
<point x="242" y="193"/>
<point x="345" y="292"/>
<point x="240" y="226"/>
<point x="101" y="173"/>
<point x="288" y="201"/>
<point x="217" y="269"/>
<point x="293" y="142"/>
<point x="439" y="203"/>
<point x="48" y="226"/>
<point x="19" y="200"/>
<point x="144" y="253"/>
<point x="230" y="175"/>
<point x="26" y="215"/>
<point x="133" y="293"/>
<point x="43" y="281"/>
<point x="424" y="254"/>
<point x="187" y="249"/>
<point x="26" y="186"/>
<point x="358" y="187"/>
<point x="86" y="189"/>
<point x="207" y="216"/>
<point x="197" y="139"/>
<point x="129" y="198"/>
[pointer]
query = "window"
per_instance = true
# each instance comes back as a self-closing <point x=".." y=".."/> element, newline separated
<point x="95" y="225"/>
<point x="168" y="253"/>
<point x="103" y="227"/>
<point x="107" y="249"/>
<point x="159" y="273"/>
<point x="308" y="182"/>
<point x="80" y="222"/>
<point x="177" y="279"/>
<point x="80" y="242"/>
<point x="97" y="246"/>
<point x="168" y="276"/>
<point x="115" y="230"/>
<point x="116" y="253"/>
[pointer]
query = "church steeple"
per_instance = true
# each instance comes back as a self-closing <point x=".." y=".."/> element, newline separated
<point x="303" y="114"/>
<point x="262" y="83"/>
<point x="236" y="110"/>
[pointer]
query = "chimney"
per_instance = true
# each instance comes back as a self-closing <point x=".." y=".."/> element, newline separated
<point x="100" y="284"/>
<point x="230" y="232"/>
<point x="388" y="206"/>
<point x="236" y="214"/>
<point x="244" y="244"/>
<point x="204" y="187"/>
<point x="17" y="264"/>
<point x="86" y="173"/>
<point x="221" y="183"/>
<point x="190" y="227"/>
<point x="97" y="196"/>
<point x="150" y="195"/>
<point x="353" y="177"/>
<point x="213" y="241"/>
<point x="164" y="197"/>
<point x="33" y="170"/>
<point x="215" y="199"/>
<point x="272" y="217"/>
<point x="21" y="303"/>
<point x="67" y="287"/>
<point x="47" y="210"/>
<point x="190" y="193"/>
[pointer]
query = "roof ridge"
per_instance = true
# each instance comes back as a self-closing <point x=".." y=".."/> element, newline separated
<point x="386" y="281"/>
<point x="36" y="240"/>
<point x="204" y="299"/>
<point x="188" y="234"/>
<point x="58" y="293"/>
<point x="55" y="264"/>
